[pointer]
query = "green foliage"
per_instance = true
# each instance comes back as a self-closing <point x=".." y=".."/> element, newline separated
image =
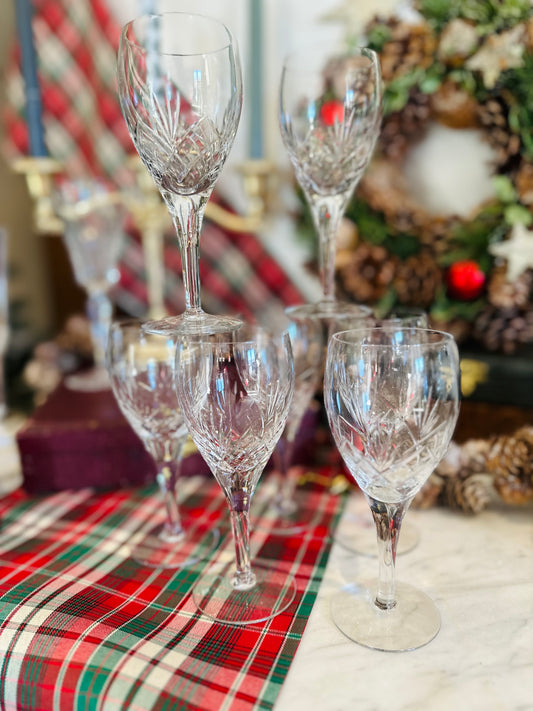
<point x="518" y="214"/>
<point x="370" y="223"/>
<point x="470" y="240"/>
<point x="377" y="36"/>
<point x="374" y="229"/>
<point x="517" y="85"/>
<point x="385" y="305"/>
<point x="489" y="15"/>
<point x="505" y="190"/>
<point x="446" y="309"/>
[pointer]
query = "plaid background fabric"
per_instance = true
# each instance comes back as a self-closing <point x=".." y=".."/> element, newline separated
<point x="76" y="46"/>
<point x="83" y="626"/>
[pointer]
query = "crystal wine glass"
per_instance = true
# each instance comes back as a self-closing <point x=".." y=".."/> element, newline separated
<point x="330" y="112"/>
<point x="392" y="398"/>
<point x="93" y="235"/>
<point x="141" y="369"/>
<point x="180" y="90"/>
<point x="307" y="349"/>
<point x="235" y="396"/>
<point x="357" y="532"/>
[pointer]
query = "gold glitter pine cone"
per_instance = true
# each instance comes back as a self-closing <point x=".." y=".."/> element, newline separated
<point x="510" y="461"/>
<point x="470" y="494"/>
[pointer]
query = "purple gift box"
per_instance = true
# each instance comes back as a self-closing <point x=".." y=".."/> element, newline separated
<point x="81" y="439"/>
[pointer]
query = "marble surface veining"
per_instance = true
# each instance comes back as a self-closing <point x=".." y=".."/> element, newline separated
<point x="479" y="571"/>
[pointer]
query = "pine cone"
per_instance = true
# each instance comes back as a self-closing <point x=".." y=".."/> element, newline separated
<point x="512" y="454"/>
<point x="510" y="461"/>
<point x="469" y="494"/>
<point x="428" y="495"/>
<point x="400" y="128"/>
<point x="383" y="188"/>
<point x="454" y="106"/>
<point x="505" y="294"/>
<point x="417" y="280"/>
<point x="525" y="433"/>
<point x="409" y="47"/>
<point x="524" y="183"/>
<point x="504" y="330"/>
<point x="435" y="234"/>
<point x="475" y="453"/>
<point x="493" y="116"/>
<point x="367" y="273"/>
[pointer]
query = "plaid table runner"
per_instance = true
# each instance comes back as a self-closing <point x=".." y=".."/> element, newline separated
<point x="83" y="626"/>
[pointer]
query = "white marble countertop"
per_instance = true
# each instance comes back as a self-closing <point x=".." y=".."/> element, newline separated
<point x="479" y="571"/>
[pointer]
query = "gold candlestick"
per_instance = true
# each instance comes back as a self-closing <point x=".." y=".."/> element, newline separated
<point x="147" y="209"/>
<point x="151" y="217"/>
<point x="39" y="174"/>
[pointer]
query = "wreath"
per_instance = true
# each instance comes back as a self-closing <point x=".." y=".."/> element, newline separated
<point x="462" y="64"/>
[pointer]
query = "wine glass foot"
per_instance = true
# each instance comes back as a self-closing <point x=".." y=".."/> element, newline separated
<point x="193" y="324"/>
<point x="412" y="623"/>
<point x="215" y="596"/>
<point x="159" y="550"/>
<point x="357" y="533"/>
<point x="88" y="381"/>
<point x="286" y="521"/>
<point x="326" y="310"/>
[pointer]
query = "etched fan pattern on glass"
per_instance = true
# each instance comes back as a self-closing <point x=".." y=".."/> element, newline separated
<point x="236" y="415"/>
<point x="392" y="429"/>
<point x="182" y="149"/>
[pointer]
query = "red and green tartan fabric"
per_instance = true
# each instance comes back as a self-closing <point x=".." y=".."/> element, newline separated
<point x="76" y="44"/>
<point x="83" y="626"/>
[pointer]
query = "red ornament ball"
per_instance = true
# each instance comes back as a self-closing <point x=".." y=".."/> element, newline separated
<point x="465" y="280"/>
<point x="332" y="111"/>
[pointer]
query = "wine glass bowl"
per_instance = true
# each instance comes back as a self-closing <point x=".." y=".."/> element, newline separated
<point x="330" y="111"/>
<point x="180" y="91"/>
<point x="235" y="396"/>
<point x="356" y="533"/>
<point x="141" y="370"/>
<point x="392" y="398"/>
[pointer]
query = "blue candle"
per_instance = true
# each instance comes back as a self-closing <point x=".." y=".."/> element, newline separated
<point x="256" y="80"/>
<point x="23" y="9"/>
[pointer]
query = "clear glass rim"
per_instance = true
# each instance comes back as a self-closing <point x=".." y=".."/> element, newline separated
<point x="332" y="53"/>
<point x="354" y="335"/>
<point x="142" y="19"/>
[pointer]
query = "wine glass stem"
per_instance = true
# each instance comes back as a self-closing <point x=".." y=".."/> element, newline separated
<point x="167" y="477"/>
<point x="388" y="520"/>
<point x="327" y="213"/>
<point x="99" y="312"/>
<point x="244" y="578"/>
<point x="188" y="214"/>
<point x="285" y="496"/>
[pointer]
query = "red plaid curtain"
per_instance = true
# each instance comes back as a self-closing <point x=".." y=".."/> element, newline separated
<point x="76" y="42"/>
